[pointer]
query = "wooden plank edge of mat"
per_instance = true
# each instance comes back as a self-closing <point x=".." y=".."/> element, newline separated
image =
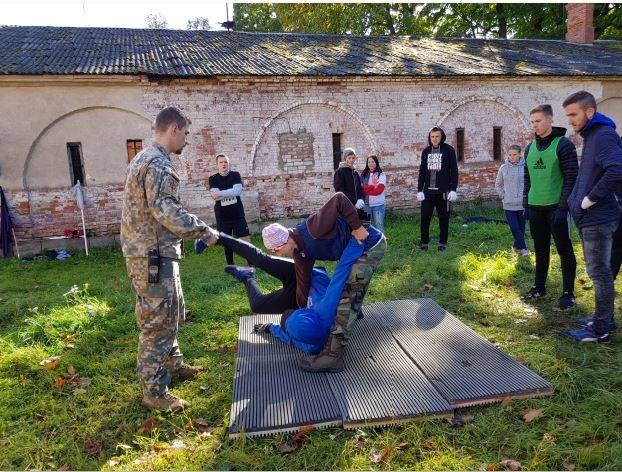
<point x="287" y="429"/>
<point x="498" y="399"/>
<point x="395" y="421"/>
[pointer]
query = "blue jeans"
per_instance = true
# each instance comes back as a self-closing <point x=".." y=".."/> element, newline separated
<point x="596" y="241"/>
<point x="377" y="216"/>
<point x="516" y="220"/>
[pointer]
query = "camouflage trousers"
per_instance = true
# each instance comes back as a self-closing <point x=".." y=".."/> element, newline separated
<point x="355" y="288"/>
<point x="159" y="312"/>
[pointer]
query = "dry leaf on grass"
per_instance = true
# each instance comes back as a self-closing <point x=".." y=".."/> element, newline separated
<point x="114" y="460"/>
<point x="65" y="466"/>
<point x="402" y="446"/>
<point x="510" y="464"/>
<point x="381" y="456"/>
<point x="79" y="391"/>
<point x="51" y="363"/>
<point x="146" y="427"/>
<point x="532" y="415"/>
<point x="71" y="370"/>
<point x="58" y="383"/>
<point x="286" y="448"/>
<point x="40" y="416"/>
<point x="569" y="466"/>
<point x="460" y="420"/>
<point x="428" y="286"/>
<point x="357" y="444"/>
<point x="93" y="447"/>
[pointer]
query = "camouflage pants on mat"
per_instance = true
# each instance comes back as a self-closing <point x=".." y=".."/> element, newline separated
<point x="355" y="288"/>
<point x="159" y="312"/>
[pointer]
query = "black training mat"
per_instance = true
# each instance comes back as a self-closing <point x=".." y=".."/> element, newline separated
<point x="408" y="359"/>
<point x="464" y="367"/>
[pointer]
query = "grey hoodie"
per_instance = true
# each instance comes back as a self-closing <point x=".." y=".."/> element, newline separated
<point x="510" y="184"/>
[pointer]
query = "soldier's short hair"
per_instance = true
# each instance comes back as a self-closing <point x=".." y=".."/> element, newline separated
<point x="584" y="99"/>
<point x="169" y="116"/>
<point x="222" y="155"/>
<point x="545" y="109"/>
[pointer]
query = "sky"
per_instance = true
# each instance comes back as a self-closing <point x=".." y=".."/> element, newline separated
<point x="111" y="13"/>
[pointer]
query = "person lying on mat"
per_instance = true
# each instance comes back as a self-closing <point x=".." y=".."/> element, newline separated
<point x="324" y="236"/>
<point x="308" y="327"/>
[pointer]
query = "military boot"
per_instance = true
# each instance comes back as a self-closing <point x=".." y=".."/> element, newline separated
<point x="165" y="402"/>
<point x="330" y="359"/>
<point x="186" y="372"/>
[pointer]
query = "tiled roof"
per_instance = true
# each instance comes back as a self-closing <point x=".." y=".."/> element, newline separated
<point x="173" y="53"/>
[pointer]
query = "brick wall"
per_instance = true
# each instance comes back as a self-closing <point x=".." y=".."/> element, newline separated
<point x="278" y="134"/>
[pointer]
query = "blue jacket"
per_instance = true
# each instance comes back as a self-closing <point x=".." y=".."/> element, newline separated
<point x="600" y="173"/>
<point x="307" y="328"/>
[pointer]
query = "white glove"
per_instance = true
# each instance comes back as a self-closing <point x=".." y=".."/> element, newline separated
<point x="420" y="196"/>
<point x="452" y="196"/>
<point x="586" y="203"/>
<point x="360" y="204"/>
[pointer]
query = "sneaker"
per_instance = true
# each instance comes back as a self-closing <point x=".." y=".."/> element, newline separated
<point x="516" y="250"/>
<point x="566" y="301"/>
<point x="525" y="252"/>
<point x="165" y="402"/>
<point x="534" y="292"/>
<point x="587" y="335"/>
<point x="186" y="372"/>
<point x="423" y="246"/>
<point x="589" y="322"/>
<point x="242" y="274"/>
<point x="442" y="247"/>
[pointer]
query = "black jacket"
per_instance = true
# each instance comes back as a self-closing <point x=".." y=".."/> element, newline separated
<point x="447" y="176"/>
<point x="348" y="181"/>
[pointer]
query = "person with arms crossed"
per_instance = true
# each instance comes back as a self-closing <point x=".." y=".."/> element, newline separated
<point x="225" y="188"/>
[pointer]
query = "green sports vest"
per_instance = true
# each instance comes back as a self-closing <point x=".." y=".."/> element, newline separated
<point x="545" y="175"/>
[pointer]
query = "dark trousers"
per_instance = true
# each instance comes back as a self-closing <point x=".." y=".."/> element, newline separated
<point x="542" y="227"/>
<point x="596" y="241"/>
<point x="516" y="221"/>
<point x="432" y="201"/>
<point x="616" y="250"/>
<point x="282" y="269"/>
<point x="237" y="228"/>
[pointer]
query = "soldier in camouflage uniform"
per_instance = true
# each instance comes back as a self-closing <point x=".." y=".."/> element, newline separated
<point x="324" y="236"/>
<point x="153" y="223"/>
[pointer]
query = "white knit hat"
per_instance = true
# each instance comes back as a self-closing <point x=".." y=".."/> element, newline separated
<point x="274" y="236"/>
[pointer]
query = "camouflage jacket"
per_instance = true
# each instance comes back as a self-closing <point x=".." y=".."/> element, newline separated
<point x="152" y="216"/>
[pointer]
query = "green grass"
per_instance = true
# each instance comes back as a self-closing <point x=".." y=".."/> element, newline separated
<point x="81" y="309"/>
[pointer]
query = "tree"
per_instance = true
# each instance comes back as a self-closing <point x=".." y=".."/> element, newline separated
<point x="256" y="17"/>
<point x="199" y="23"/>
<point x="463" y="20"/>
<point x="156" y="21"/>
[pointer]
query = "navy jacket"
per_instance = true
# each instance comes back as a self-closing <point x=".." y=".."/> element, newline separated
<point x="600" y="173"/>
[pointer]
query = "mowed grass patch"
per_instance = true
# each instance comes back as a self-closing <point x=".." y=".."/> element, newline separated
<point x="85" y="413"/>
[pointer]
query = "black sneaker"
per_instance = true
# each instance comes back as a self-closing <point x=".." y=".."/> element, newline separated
<point x="566" y="301"/>
<point x="423" y="246"/>
<point x="534" y="292"/>
<point x="442" y="247"/>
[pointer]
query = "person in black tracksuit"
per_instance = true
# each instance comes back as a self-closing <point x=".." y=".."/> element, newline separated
<point x="438" y="181"/>
<point x="348" y="181"/>
<point x="550" y="174"/>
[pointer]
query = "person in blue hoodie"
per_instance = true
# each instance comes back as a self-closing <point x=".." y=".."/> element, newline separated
<point x="308" y="328"/>
<point x="325" y="235"/>
<point x="509" y="186"/>
<point x="594" y="207"/>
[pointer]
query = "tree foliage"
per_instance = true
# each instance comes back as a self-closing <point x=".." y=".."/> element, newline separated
<point x="156" y="21"/>
<point x="198" y="23"/>
<point x="467" y="20"/>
